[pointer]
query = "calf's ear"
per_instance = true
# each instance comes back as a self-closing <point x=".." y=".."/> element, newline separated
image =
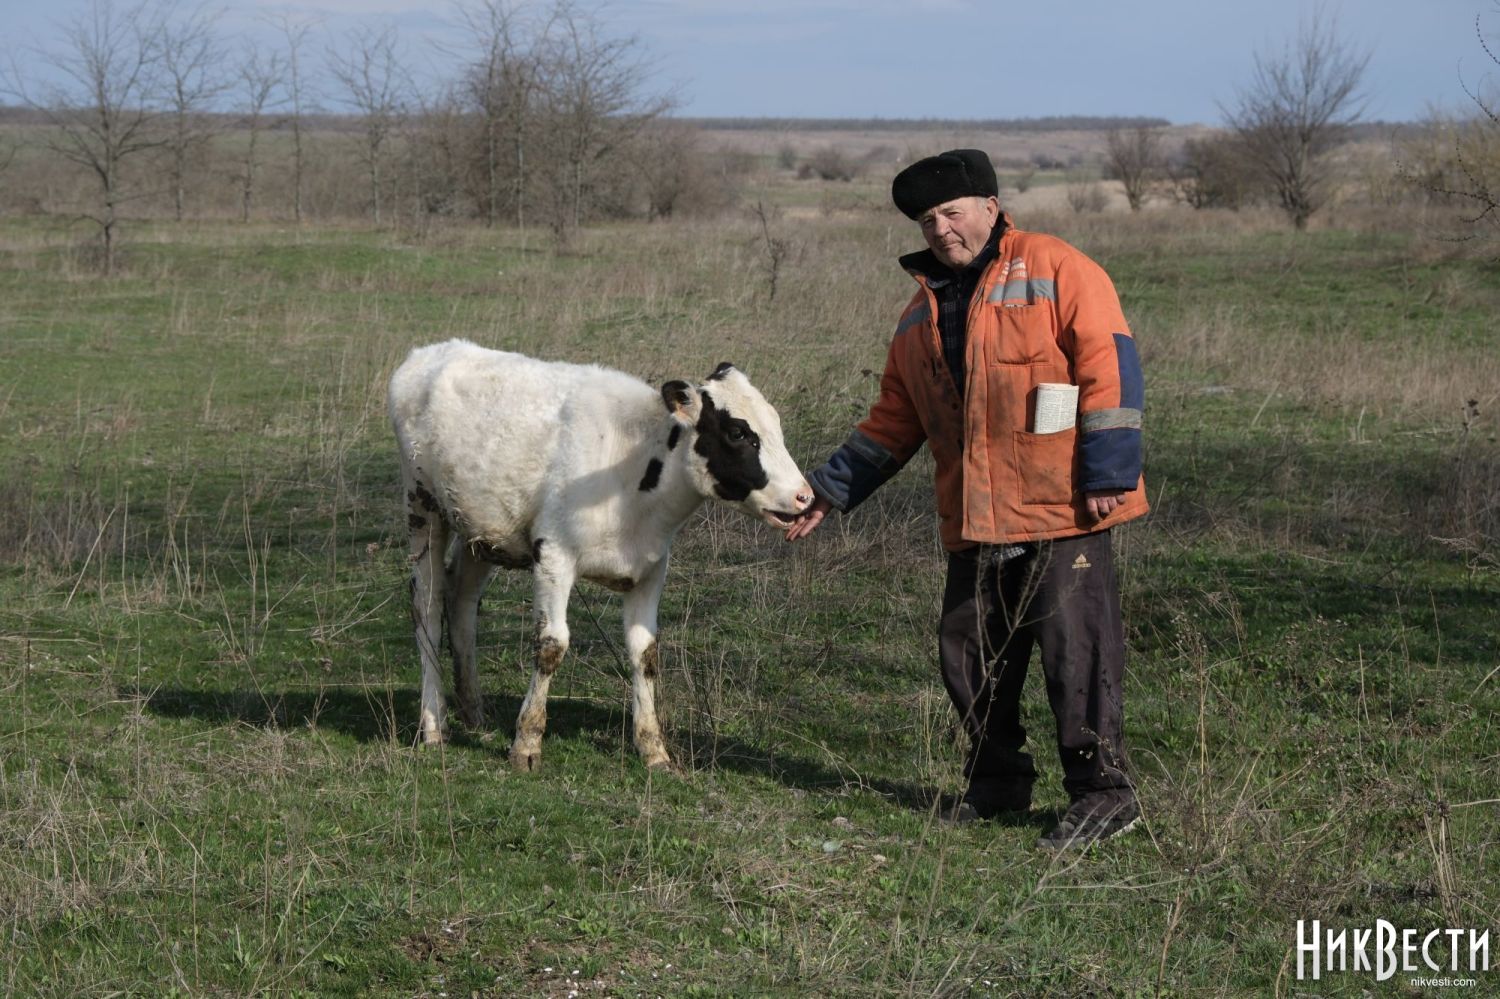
<point x="682" y="401"/>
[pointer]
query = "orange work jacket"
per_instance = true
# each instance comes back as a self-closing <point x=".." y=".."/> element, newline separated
<point x="1043" y="312"/>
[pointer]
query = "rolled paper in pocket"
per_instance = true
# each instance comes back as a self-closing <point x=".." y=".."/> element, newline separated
<point x="1056" y="408"/>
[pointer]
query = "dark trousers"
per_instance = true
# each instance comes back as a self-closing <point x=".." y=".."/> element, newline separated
<point x="1062" y="597"/>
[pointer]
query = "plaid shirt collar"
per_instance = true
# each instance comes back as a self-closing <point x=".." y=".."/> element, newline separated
<point x="953" y="291"/>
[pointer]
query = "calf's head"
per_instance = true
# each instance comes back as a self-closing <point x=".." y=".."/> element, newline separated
<point x="736" y="451"/>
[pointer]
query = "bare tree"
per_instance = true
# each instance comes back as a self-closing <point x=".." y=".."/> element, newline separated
<point x="374" y="84"/>
<point x="1469" y="173"/>
<point x="259" y="76"/>
<point x="595" y="102"/>
<point x="1297" y="106"/>
<point x="490" y="25"/>
<point x="298" y="101"/>
<point x="1134" y="157"/>
<point x="101" y="107"/>
<point x="192" y="72"/>
<point x="436" y="151"/>
<point x="8" y="149"/>
<point x="502" y="85"/>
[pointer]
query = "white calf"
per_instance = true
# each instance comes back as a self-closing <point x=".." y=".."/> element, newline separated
<point x="576" y="472"/>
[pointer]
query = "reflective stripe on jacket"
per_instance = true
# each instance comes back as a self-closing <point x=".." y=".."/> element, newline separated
<point x="1044" y="312"/>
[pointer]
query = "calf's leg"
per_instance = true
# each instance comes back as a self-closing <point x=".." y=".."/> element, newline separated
<point x="640" y="642"/>
<point x="427" y="540"/>
<point x="466" y="577"/>
<point x="554" y="574"/>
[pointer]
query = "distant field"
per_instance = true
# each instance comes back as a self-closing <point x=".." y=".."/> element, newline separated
<point x="207" y="779"/>
<point x="907" y="144"/>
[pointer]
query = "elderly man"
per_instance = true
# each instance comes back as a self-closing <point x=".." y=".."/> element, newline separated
<point x="1025" y="511"/>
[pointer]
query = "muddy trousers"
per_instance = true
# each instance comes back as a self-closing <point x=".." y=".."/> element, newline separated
<point x="1061" y="597"/>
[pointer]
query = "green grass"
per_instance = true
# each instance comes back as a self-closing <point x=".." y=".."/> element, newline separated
<point x="207" y="782"/>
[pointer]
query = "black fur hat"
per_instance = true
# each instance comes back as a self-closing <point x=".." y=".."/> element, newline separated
<point x="958" y="173"/>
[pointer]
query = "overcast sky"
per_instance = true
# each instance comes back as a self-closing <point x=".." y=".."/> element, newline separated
<point x="1173" y="59"/>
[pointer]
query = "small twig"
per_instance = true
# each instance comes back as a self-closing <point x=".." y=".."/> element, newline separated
<point x="1166" y="943"/>
<point x="98" y="538"/>
<point x="594" y="619"/>
<point x="1269" y="396"/>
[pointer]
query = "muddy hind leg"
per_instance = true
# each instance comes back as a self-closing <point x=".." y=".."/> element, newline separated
<point x="465" y="581"/>
<point x="427" y="540"/>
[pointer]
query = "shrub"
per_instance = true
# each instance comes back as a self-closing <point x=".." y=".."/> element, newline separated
<point x="1086" y="196"/>
<point x="1212" y="173"/>
<point x="830" y="163"/>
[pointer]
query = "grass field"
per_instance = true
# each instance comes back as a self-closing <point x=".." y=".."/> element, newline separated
<point x="207" y="779"/>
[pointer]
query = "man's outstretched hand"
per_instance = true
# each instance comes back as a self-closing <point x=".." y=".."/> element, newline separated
<point x="1102" y="503"/>
<point x="809" y="519"/>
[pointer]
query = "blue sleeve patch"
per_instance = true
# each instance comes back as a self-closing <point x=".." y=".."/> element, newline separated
<point x="1132" y="384"/>
<point x="848" y="478"/>
<point x="1110" y="459"/>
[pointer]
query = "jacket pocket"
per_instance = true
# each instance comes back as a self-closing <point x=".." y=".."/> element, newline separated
<point x="1024" y="334"/>
<point x="1045" y="465"/>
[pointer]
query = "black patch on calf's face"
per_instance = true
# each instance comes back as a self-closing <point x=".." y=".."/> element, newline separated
<point x="732" y="451"/>
<point x="652" y="476"/>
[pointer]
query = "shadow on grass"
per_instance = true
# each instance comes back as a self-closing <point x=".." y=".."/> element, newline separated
<point x="799" y="772"/>
<point x="377" y="714"/>
<point x="388" y="715"/>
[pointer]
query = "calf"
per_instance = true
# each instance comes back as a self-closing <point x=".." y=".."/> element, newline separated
<point x="574" y="472"/>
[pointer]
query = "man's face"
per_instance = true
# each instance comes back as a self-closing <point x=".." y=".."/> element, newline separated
<point x="956" y="230"/>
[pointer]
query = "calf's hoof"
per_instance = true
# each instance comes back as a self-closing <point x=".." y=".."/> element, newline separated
<point x="524" y="761"/>
<point x="663" y="765"/>
<point x="434" y="728"/>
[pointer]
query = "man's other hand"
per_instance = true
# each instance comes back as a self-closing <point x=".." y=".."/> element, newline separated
<point x="1101" y="502"/>
<point x="809" y="519"/>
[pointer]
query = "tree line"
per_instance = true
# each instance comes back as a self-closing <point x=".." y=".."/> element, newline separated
<point x="545" y="119"/>
<point x="1045" y="123"/>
